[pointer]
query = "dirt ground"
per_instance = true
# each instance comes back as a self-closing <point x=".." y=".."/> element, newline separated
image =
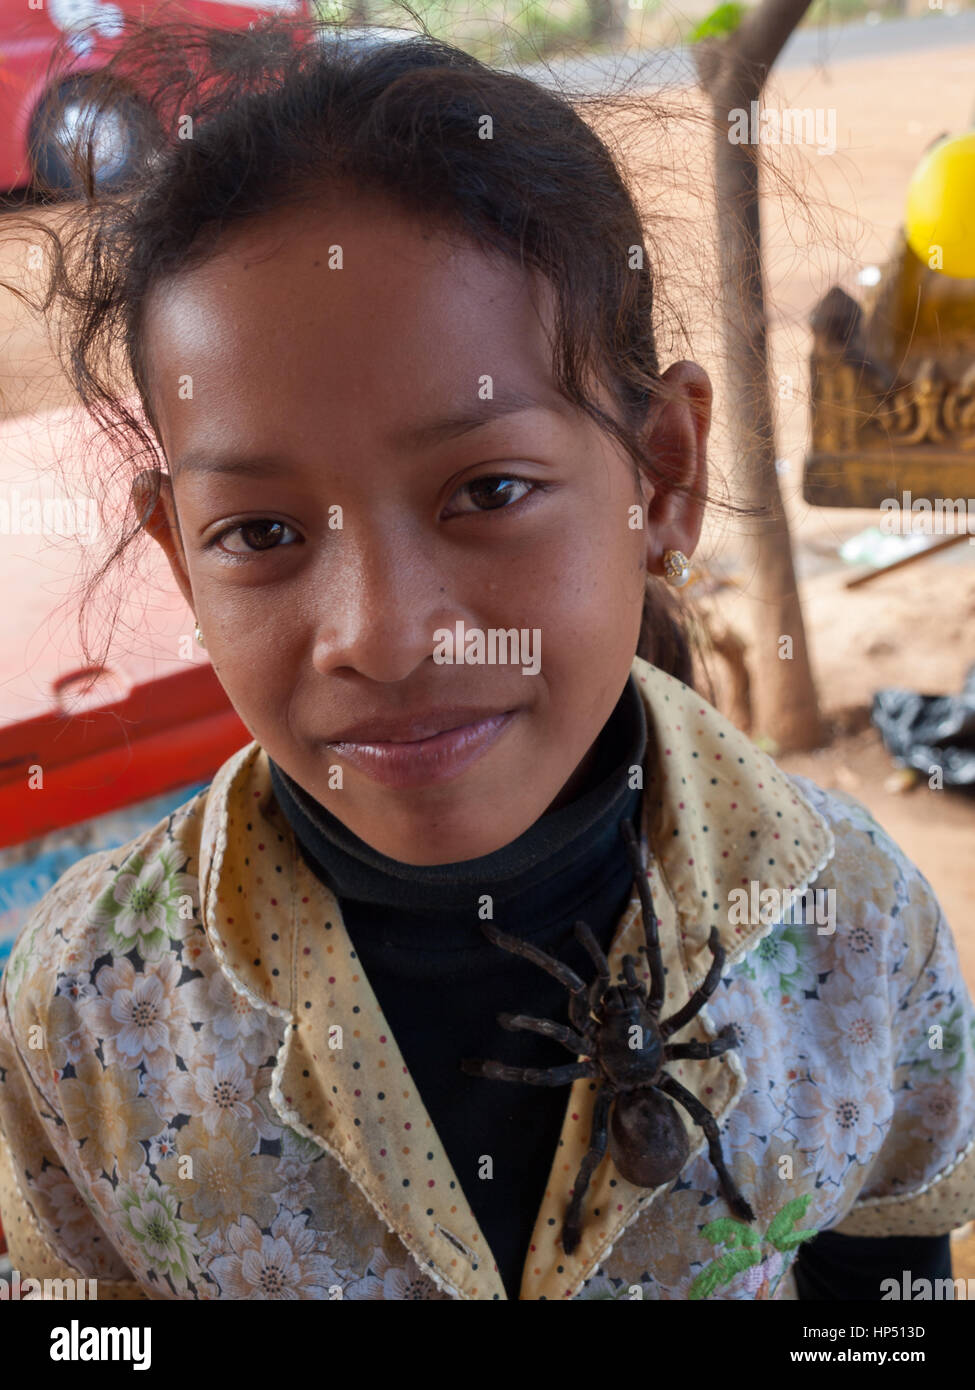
<point x="913" y="628"/>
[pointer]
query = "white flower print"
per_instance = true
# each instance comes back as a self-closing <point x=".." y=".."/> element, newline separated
<point x="75" y="987"/>
<point x="104" y="1202"/>
<point x="295" y="1189"/>
<point x="852" y="1025"/>
<point x="81" y="948"/>
<point x="776" y="954"/>
<point x="867" y="927"/>
<point x="784" y="961"/>
<point x="285" y="1264"/>
<point x="156" y="1090"/>
<point x="755" y="1026"/>
<point x="164" y="1145"/>
<point x="77" y="1209"/>
<point x="366" y="1289"/>
<point x="164" y="1242"/>
<point x="395" y="1282"/>
<point x="231" y="1023"/>
<point x="138" y="895"/>
<point x="846" y="1121"/>
<point x="755" y="1114"/>
<point x="878" y="941"/>
<point x="936" y="1108"/>
<point x="147" y="905"/>
<point x="214" y="1089"/>
<point x="791" y="1014"/>
<point x="140" y="1017"/>
<point x="70" y="1213"/>
<point x="932" y="1035"/>
<point x="74" y="1046"/>
<point x="602" y="1287"/>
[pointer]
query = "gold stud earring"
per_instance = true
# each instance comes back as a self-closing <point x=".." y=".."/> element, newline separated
<point x="677" y="568"/>
<point x="198" y="635"/>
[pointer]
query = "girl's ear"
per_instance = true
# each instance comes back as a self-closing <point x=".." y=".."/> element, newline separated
<point x="677" y="437"/>
<point x="156" y="510"/>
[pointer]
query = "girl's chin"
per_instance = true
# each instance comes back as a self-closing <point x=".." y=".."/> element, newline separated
<point x="450" y="835"/>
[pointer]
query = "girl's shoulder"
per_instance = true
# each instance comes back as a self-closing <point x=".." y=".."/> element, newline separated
<point x="871" y="901"/>
<point x="847" y="813"/>
<point x="138" y="894"/>
<point x="857" y="1036"/>
<point x="867" y="862"/>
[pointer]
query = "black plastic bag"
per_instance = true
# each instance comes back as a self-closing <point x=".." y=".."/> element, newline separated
<point x="926" y="731"/>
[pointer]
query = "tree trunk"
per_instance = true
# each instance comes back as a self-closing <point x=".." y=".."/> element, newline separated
<point x="607" y="21"/>
<point x="733" y="72"/>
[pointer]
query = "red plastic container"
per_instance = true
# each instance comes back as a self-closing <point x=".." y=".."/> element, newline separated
<point x="156" y="717"/>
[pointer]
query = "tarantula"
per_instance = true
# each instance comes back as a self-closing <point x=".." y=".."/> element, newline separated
<point x="622" y="1041"/>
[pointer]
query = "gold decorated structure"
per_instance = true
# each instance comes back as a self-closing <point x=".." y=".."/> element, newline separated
<point x="893" y="389"/>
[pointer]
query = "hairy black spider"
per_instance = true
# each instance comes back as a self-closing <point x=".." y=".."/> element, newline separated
<point x="618" y="1033"/>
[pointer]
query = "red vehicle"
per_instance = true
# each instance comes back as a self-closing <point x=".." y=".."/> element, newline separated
<point x="31" y="144"/>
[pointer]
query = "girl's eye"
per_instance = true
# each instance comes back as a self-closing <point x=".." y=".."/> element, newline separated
<point x="496" y="493"/>
<point x="489" y="494"/>
<point x="254" y="536"/>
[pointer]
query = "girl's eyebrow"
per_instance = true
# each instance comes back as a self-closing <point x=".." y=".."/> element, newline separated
<point x="412" y="437"/>
<point x="201" y="461"/>
<point x="431" y="432"/>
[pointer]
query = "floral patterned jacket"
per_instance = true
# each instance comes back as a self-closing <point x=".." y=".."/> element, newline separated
<point x="200" y="1098"/>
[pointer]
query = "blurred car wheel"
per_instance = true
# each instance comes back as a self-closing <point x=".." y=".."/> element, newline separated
<point x="123" y="136"/>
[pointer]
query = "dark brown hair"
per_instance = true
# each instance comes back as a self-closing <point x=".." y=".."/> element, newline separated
<point x="274" y="118"/>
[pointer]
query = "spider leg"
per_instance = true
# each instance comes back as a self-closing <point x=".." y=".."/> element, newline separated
<point x="563" y="973"/>
<point x="703" y="992"/>
<point x="702" y="1116"/>
<point x="586" y="936"/>
<point x="598" y="1138"/>
<point x="568" y="1037"/>
<point x="655" y="996"/>
<point x="584" y="933"/>
<point x="532" y="1076"/>
<point x="698" y="1051"/>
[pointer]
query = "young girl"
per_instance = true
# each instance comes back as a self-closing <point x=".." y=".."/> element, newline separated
<point x="424" y="485"/>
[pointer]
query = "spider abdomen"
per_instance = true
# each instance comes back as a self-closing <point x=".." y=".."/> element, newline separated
<point x="647" y="1139"/>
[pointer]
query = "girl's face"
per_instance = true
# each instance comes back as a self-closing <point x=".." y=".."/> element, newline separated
<point x="366" y="448"/>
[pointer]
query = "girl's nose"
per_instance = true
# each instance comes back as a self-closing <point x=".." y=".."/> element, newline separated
<point x="380" y="606"/>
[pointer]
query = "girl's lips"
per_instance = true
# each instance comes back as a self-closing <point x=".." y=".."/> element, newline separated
<point x="428" y="760"/>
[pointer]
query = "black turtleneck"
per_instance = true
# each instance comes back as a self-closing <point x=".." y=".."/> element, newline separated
<point x="441" y="984"/>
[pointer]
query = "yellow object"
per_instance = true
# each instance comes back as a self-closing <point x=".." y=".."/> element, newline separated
<point x="940" y="220"/>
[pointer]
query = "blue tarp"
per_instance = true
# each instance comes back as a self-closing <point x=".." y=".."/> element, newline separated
<point x="27" y="871"/>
